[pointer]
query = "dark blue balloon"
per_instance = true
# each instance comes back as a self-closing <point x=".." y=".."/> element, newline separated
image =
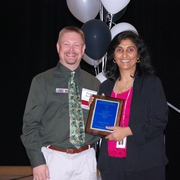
<point x="97" y="38"/>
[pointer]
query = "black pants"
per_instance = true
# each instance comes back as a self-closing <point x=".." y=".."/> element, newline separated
<point x="117" y="172"/>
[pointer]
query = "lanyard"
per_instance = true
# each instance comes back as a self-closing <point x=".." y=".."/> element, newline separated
<point x="125" y="104"/>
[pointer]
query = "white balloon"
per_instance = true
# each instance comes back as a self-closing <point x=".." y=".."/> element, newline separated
<point x="114" y="6"/>
<point x="84" y="10"/>
<point x="101" y="77"/>
<point x="91" y="61"/>
<point x="122" y="27"/>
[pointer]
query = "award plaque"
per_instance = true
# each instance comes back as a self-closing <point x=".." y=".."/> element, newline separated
<point x="104" y="111"/>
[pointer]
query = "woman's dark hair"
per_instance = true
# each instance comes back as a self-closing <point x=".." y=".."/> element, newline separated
<point x="112" y="69"/>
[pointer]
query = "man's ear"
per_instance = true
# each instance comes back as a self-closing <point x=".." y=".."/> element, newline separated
<point x="57" y="47"/>
<point x="84" y="47"/>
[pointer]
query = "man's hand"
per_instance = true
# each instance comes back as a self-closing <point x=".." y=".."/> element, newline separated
<point x="41" y="172"/>
<point x="91" y="99"/>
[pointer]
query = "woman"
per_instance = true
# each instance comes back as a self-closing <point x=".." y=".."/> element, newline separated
<point x="134" y="150"/>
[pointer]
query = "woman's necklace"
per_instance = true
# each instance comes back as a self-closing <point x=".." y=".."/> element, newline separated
<point x="125" y="102"/>
<point x="123" y="88"/>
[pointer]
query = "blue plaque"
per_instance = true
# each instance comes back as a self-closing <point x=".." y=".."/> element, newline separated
<point x="104" y="111"/>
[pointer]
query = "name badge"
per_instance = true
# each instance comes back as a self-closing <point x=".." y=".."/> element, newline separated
<point x="122" y="144"/>
<point x="85" y="97"/>
<point x="61" y="90"/>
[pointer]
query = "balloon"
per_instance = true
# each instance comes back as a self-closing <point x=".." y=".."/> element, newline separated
<point x="90" y="61"/>
<point x="97" y="38"/>
<point x="84" y="10"/>
<point x="115" y="17"/>
<point x="114" y="6"/>
<point x="101" y="77"/>
<point x="122" y="27"/>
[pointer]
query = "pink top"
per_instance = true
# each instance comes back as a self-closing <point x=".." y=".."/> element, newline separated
<point x="112" y="150"/>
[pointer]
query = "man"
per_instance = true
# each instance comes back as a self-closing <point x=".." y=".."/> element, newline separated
<point x="46" y="121"/>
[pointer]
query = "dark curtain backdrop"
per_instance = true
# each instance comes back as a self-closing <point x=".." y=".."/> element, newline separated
<point x="28" y="34"/>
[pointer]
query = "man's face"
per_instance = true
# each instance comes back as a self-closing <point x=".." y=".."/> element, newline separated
<point x="70" y="49"/>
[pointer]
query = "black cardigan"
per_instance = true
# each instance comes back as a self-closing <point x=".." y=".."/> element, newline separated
<point x="148" y="119"/>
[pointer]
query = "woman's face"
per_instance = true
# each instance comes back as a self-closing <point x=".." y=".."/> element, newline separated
<point x="126" y="55"/>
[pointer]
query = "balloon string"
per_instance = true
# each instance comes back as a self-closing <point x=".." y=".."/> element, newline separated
<point x="96" y="69"/>
<point x="101" y="12"/>
<point x="103" y="59"/>
<point x="110" y="20"/>
<point x="103" y="64"/>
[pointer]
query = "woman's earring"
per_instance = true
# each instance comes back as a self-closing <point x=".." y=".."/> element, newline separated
<point x="138" y="61"/>
<point x="114" y="61"/>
